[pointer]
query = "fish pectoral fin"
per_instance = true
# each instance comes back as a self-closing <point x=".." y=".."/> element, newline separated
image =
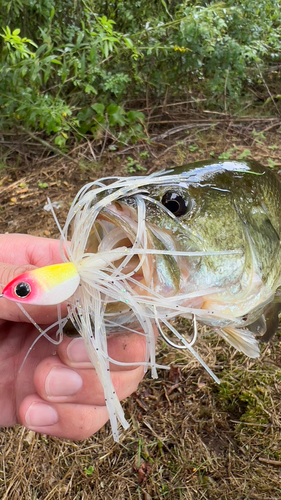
<point x="271" y="314"/>
<point x="243" y="340"/>
<point x="258" y="327"/>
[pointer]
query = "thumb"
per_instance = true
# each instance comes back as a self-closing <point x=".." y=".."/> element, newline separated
<point x="8" y="272"/>
<point x="9" y="310"/>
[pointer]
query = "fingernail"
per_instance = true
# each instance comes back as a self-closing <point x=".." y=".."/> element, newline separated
<point x="76" y="352"/>
<point x="62" y="382"/>
<point x="41" y="415"/>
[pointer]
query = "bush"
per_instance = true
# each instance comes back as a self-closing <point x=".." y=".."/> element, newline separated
<point x="77" y="67"/>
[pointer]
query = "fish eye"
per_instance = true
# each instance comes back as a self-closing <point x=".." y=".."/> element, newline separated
<point x="22" y="290"/>
<point x="175" y="202"/>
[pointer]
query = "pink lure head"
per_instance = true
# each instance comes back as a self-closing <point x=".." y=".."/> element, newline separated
<point x="44" y="286"/>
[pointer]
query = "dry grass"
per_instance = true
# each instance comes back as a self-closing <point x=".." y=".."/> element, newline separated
<point x="189" y="438"/>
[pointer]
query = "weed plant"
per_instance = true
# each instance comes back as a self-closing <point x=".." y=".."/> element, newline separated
<point x="85" y="67"/>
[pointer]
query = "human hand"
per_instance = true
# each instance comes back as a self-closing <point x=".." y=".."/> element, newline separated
<point x="57" y="391"/>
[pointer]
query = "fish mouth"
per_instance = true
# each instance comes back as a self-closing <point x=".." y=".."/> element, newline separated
<point x="119" y="225"/>
<point x="128" y="249"/>
<point x="116" y="227"/>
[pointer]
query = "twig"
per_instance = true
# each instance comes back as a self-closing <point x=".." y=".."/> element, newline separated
<point x="250" y="423"/>
<point x="167" y="395"/>
<point x="166" y="97"/>
<point x="151" y="152"/>
<point x="13" y="185"/>
<point x="270" y="127"/>
<point x="225" y="89"/>
<point x="236" y="119"/>
<point x="104" y="143"/>
<point x="207" y="111"/>
<point x="270" y="462"/>
<point x="193" y="101"/>
<point x="49" y="146"/>
<point x="175" y="130"/>
<point x="269" y="93"/>
<point x="152" y="169"/>
<point x="92" y="151"/>
<point x="142" y="404"/>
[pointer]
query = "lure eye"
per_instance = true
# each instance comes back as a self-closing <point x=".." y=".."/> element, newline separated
<point x="22" y="290"/>
<point x="175" y="202"/>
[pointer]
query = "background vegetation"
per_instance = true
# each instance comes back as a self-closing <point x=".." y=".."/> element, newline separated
<point x="76" y="68"/>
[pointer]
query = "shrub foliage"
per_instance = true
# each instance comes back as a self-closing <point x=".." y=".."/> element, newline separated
<point x="85" y="66"/>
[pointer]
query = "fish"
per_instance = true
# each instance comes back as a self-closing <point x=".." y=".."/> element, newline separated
<point x="200" y="241"/>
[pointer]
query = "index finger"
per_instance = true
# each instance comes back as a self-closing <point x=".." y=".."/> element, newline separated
<point x="24" y="249"/>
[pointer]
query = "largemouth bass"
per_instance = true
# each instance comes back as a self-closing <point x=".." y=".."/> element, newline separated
<point x="200" y="241"/>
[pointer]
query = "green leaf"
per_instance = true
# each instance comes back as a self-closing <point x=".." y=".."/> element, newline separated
<point x="105" y="49"/>
<point x="89" y="471"/>
<point x="60" y="141"/>
<point x="271" y="163"/>
<point x="245" y="154"/>
<point x="133" y="116"/>
<point x="128" y="43"/>
<point x="52" y="13"/>
<point x="89" y="89"/>
<point x="80" y="38"/>
<point x="116" y="115"/>
<point x="98" y="108"/>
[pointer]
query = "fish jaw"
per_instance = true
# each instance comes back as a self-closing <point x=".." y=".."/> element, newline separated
<point x="160" y="273"/>
<point x="44" y="286"/>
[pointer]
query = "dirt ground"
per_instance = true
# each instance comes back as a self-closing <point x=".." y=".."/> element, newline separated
<point x="189" y="438"/>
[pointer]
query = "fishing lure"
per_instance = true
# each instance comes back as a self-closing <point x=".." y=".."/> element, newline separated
<point x="133" y="258"/>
